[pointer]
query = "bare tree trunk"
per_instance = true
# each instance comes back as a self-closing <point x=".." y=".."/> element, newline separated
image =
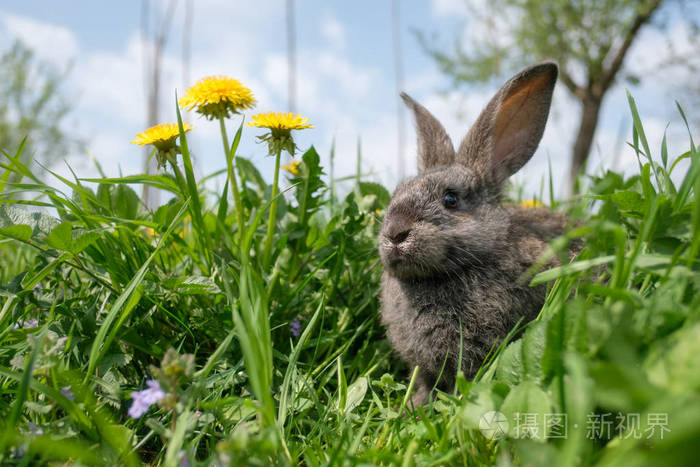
<point x="187" y="43"/>
<point x="398" y="69"/>
<point x="291" y="57"/>
<point x="592" y="97"/>
<point x="151" y="195"/>
<point x="153" y="59"/>
<point x="584" y="139"/>
<point x="145" y="35"/>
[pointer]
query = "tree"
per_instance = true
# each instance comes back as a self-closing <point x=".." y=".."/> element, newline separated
<point x="32" y="105"/>
<point x="588" y="38"/>
<point x="154" y="43"/>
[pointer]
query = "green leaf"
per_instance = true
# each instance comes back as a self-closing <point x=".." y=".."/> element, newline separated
<point x="664" y="149"/>
<point x="18" y="232"/>
<point x="674" y="362"/>
<point x="125" y="202"/>
<point x="356" y="394"/>
<point x="123" y="305"/>
<point x="60" y="237"/>
<point x="248" y="171"/>
<point x="639" y="131"/>
<point x="533" y="347"/>
<point x="30" y="281"/>
<point x="291" y="366"/>
<point x="510" y="364"/>
<point x="623" y="386"/>
<point x="83" y="241"/>
<point x="165" y="214"/>
<point x="174" y="454"/>
<point x="382" y="195"/>
<point x="195" y="205"/>
<point x="483" y="397"/>
<point x="222" y="211"/>
<point x="578" y="266"/>
<point x="578" y="396"/>
<point x="104" y="196"/>
<point x="163" y="182"/>
<point x="197" y="285"/>
<point x="40" y="223"/>
<point x="342" y="387"/>
<point x="525" y="408"/>
<point x="69" y="406"/>
<point x="22" y="389"/>
<point x="113" y="360"/>
<point x="628" y="200"/>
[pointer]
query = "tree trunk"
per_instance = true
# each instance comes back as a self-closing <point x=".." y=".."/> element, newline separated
<point x="584" y="138"/>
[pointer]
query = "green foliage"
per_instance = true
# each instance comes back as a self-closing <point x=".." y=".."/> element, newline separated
<point x="589" y="39"/>
<point x="287" y="363"/>
<point x="32" y="104"/>
<point x="532" y="30"/>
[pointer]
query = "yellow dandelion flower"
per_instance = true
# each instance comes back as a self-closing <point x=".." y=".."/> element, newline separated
<point x="280" y="125"/>
<point x="292" y="167"/>
<point x="161" y="136"/>
<point x="217" y="97"/>
<point x="531" y="203"/>
<point x="280" y="121"/>
<point x="150" y="232"/>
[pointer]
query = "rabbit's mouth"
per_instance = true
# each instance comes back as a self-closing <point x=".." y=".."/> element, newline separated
<point x="403" y="268"/>
<point x="402" y="262"/>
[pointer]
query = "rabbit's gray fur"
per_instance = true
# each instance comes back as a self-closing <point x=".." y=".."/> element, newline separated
<point x="458" y="270"/>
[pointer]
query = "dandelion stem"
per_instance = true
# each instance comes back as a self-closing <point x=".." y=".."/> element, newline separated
<point x="273" y="210"/>
<point x="230" y="163"/>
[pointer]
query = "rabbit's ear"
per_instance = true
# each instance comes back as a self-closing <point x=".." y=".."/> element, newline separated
<point x="506" y="134"/>
<point x="434" y="146"/>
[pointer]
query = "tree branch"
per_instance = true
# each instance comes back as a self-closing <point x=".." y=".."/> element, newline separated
<point x="610" y="73"/>
<point x="569" y="82"/>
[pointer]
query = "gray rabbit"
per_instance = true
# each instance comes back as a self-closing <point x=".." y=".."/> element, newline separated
<point x="453" y="254"/>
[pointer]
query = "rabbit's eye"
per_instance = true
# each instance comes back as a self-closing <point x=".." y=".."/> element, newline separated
<point x="450" y="200"/>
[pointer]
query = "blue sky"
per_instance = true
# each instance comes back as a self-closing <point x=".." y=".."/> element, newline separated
<point x="345" y="80"/>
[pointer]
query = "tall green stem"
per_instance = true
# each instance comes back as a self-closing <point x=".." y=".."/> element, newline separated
<point x="273" y="211"/>
<point x="230" y="163"/>
<point x="182" y="183"/>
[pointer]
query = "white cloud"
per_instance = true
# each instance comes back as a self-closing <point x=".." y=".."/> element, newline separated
<point x="275" y="74"/>
<point x="111" y="148"/>
<point x="448" y="7"/>
<point x="333" y="31"/>
<point x="326" y="81"/>
<point x="352" y="79"/>
<point x="50" y="42"/>
<point x="335" y="94"/>
<point x="110" y="84"/>
<point x="343" y="97"/>
<point x="654" y="46"/>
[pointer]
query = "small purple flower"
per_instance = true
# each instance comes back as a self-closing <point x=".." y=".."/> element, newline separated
<point x="143" y="400"/>
<point x="184" y="461"/>
<point x="67" y="393"/>
<point x="30" y="323"/>
<point x="295" y="327"/>
<point x="37" y="289"/>
<point x="34" y="429"/>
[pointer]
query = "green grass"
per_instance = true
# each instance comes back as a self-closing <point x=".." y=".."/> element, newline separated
<point x="122" y="295"/>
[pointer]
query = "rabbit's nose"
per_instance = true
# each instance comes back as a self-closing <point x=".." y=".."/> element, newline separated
<point x="399" y="237"/>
